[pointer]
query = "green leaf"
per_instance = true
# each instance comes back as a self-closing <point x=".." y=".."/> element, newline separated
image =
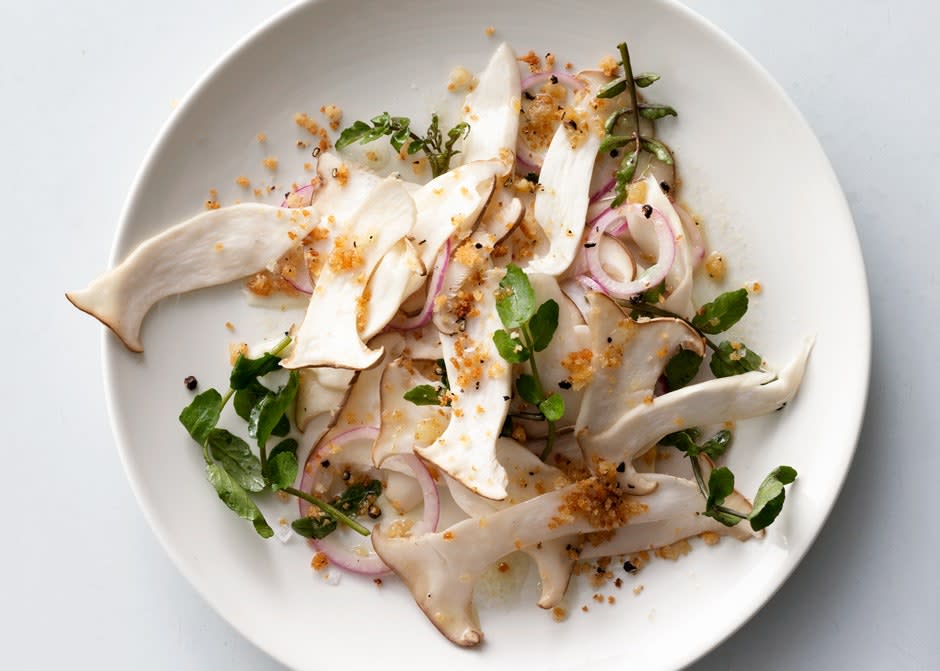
<point x="399" y="138"/>
<point x="681" y="440"/>
<point x="286" y="445"/>
<point x="657" y="149"/>
<point x="528" y="389"/>
<point x="624" y="176"/>
<point x="728" y="360"/>
<point x="354" y="498"/>
<point x="612" y="89"/>
<point x="770" y="497"/>
<point x="201" y="416"/>
<point x="424" y="394"/>
<point x="237" y="499"/>
<point x="612" y="142"/>
<point x="654" y="112"/>
<point x="682" y="368"/>
<point x="314" y="527"/>
<point x="543" y="324"/>
<point x="248" y="397"/>
<point x="720" y="487"/>
<point x="442" y="367"/>
<point x="352" y="134"/>
<point x="653" y="294"/>
<point x="515" y="299"/>
<point x="644" y="79"/>
<point x="722" y="313"/>
<point x="247" y="371"/>
<point x="716" y="446"/>
<point x="511" y="349"/>
<point x="553" y="408"/>
<point x="266" y="415"/>
<point x="236" y="458"/>
<point x="282" y="469"/>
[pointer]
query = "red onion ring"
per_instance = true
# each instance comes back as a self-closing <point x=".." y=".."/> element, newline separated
<point x="649" y="277"/>
<point x="345" y="558"/>
<point x="435" y="285"/>
<point x="304" y="190"/>
<point x="604" y="190"/>
<point x="563" y="78"/>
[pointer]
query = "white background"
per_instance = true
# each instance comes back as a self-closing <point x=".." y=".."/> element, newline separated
<point x="84" y="88"/>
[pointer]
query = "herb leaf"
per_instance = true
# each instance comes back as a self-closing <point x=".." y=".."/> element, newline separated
<point x="314" y="527"/>
<point x="682" y="367"/>
<point x="353" y="134"/>
<point x="236" y="458"/>
<point x="511" y="349"/>
<point x="613" y="89"/>
<point x="528" y="389"/>
<point x="720" y="487"/>
<point x="245" y="371"/>
<point x="729" y="360"/>
<point x="770" y="497"/>
<point x="282" y="464"/>
<point x="716" y="446"/>
<point x="657" y="149"/>
<point x="353" y="499"/>
<point x="543" y="324"/>
<point x="644" y="79"/>
<point x="237" y="499"/>
<point x="515" y="303"/>
<point x="424" y="394"/>
<point x="202" y="414"/>
<point x="722" y="313"/>
<point x="266" y="415"/>
<point x="653" y="112"/>
<point x="612" y="142"/>
<point x="553" y="407"/>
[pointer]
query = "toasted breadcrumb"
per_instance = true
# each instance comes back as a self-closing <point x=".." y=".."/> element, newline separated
<point x="490" y="31"/>
<point x="532" y="60"/>
<point x="675" y="550"/>
<point x="230" y="326"/>
<point x="715" y="266"/>
<point x="243" y="181"/>
<point x="579" y="365"/>
<point x="270" y="163"/>
<point x="319" y="561"/>
<point x="235" y="349"/>
<point x="461" y="79"/>
<point x="261" y="137"/>
<point x="637" y="590"/>
<point x="212" y="204"/>
<point x="600" y="501"/>
<point x="344" y="257"/>
<point x="609" y="66"/>
<point x="710" y="537"/>
<point x="333" y="115"/>
<point x="559" y="614"/>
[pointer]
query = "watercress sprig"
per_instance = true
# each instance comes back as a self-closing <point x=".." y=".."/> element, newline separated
<point x="528" y="329"/>
<point x="635" y="109"/>
<point x="231" y="467"/>
<point x="439" y="151"/>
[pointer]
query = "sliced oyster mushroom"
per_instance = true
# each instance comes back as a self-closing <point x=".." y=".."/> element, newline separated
<point x="329" y="334"/>
<point x="390" y="284"/>
<point x="492" y="110"/>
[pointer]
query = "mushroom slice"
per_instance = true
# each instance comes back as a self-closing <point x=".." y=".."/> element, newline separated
<point x="390" y="284"/>
<point x="423" y="344"/>
<point x="679" y="278"/>
<point x="628" y="358"/>
<point x="492" y="110"/>
<point x="329" y="334"/>
<point x="561" y="204"/>
<point x="502" y="214"/>
<point x="320" y="390"/>
<point x="440" y="569"/>
<point x="710" y="402"/>
<point x="480" y="382"/>
<point x="528" y="477"/>
<point x="404" y="424"/>
<point x="212" y="248"/>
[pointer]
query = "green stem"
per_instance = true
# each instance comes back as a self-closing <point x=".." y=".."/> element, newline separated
<point x="550" y="438"/>
<point x="631" y="89"/>
<point x="697" y="472"/>
<point x="729" y="511"/>
<point x="281" y="345"/>
<point x="332" y="511"/>
<point x="659" y="312"/>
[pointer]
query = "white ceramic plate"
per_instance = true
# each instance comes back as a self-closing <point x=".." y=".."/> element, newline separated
<point x="752" y="168"/>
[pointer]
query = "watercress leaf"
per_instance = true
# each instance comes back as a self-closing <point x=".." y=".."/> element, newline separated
<point x="553" y="407"/>
<point x="399" y="138"/>
<point x="424" y="394"/>
<point x="352" y="500"/>
<point x="286" y="445"/>
<point x="543" y="324"/>
<point x="268" y="412"/>
<point x="722" y="313"/>
<point x="528" y="390"/>
<point x="511" y="349"/>
<point x="612" y="89"/>
<point x="716" y="446"/>
<point x="237" y="499"/>
<point x="202" y="414"/>
<point x="282" y="428"/>
<point x="459" y="131"/>
<point x="644" y="79"/>
<point x="653" y="294"/>
<point x="682" y="367"/>
<point x="282" y="469"/>
<point x="383" y="120"/>
<point x="247" y="398"/>
<point x="415" y="146"/>
<point x="653" y="112"/>
<point x="314" y="527"/>
<point x="723" y="517"/>
<point x="234" y="455"/>
<point x="770" y="497"/>
<point x="442" y="367"/>
<point x="734" y="359"/>
<point x="352" y="134"/>
<point x="657" y="149"/>
<point x="612" y="142"/>
<point x="515" y="298"/>
<point x="720" y="486"/>
<point x="246" y="371"/>
<point x="399" y="122"/>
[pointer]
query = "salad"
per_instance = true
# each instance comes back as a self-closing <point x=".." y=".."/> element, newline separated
<point x="512" y="346"/>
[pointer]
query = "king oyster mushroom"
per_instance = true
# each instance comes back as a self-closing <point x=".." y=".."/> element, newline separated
<point x="492" y="110"/>
<point x="481" y="385"/>
<point x="440" y="569"/>
<point x="383" y="219"/>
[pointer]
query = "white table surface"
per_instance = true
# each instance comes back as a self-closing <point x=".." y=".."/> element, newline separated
<point x="84" y="582"/>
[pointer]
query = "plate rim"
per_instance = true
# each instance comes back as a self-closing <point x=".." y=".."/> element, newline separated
<point x="864" y="343"/>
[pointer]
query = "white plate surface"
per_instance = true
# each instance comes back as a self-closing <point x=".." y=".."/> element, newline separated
<point x="750" y="166"/>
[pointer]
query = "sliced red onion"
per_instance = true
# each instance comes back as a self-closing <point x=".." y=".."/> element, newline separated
<point x="563" y="78"/>
<point x="345" y="558"/>
<point x="523" y="157"/>
<point x="435" y="285"/>
<point x="649" y="277"/>
<point x="306" y="189"/>
<point x="692" y="229"/>
<point x="604" y="190"/>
